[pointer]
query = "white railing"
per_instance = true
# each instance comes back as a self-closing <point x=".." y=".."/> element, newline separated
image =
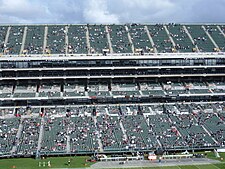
<point x="110" y="56"/>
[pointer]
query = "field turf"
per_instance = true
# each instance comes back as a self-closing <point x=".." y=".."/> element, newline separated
<point x="56" y="162"/>
<point x="80" y="162"/>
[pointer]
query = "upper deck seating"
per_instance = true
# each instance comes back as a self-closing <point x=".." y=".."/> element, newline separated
<point x="34" y="40"/>
<point x="56" y="39"/>
<point x="200" y="38"/>
<point x="77" y="39"/>
<point x="98" y="38"/>
<point x="3" y="31"/>
<point x="119" y="39"/>
<point x="161" y="39"/>
<point x="14" y="43"/>
<point x="180" y="37"/>
<point x="217" y="36"/>
<point x="140" y="38"/>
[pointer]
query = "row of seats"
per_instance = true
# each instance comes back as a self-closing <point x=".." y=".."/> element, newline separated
<point x="166" y="38"/>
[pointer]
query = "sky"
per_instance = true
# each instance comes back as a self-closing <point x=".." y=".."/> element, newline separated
<point x="111" y="11"/>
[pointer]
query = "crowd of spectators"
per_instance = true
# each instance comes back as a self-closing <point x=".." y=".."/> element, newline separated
<point x="28" y="140"/>
<point x="74" y="39"/>
<point x="200" y="38"/>
<point x="140" y="38"/>
<point x="111" y="134"/>
<point x="122" y="127"/>
<point x="181" y="39"/>
<point x="83" y="134"/>
<point x="14" y="43"/>
<point x="34" y="40"/>
<point x="8" y="132"/>
<point x="3" y="30"/>
<point x="119" y="39"/>
<point x="56" y="39"/>
<point x="98" y="38"/>
<point x="160" y="38"/>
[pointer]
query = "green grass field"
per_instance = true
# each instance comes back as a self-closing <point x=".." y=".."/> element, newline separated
<point x="80" y="162"/>
<point x="56" y="162"/>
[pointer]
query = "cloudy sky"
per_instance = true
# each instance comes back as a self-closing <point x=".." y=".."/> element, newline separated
<point x="111" y="11"/>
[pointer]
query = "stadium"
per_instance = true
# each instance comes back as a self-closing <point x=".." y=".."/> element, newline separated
<point x="111" y="89"/>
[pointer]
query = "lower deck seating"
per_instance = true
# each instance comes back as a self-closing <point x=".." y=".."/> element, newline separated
<point x="110" y="128"/>
<point x="83" y="136"/>
<point x="8" y="131"/>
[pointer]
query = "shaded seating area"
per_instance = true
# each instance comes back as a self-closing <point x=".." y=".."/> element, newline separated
<point x="114" y="89"/>
<point x="153" y="89"/>
<point x="124" y="89"/>
<point x="98" y="90"/>
<point x="7" y="111"/>
<point x="6" y="91"/>
<point x="46" y="90"/>
<point x="197" y="88"/>
<point x="25" y="91"/>
<point x="72" y="90"/>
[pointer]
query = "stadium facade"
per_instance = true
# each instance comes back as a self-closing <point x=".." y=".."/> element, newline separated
<point x="84" y="89"/>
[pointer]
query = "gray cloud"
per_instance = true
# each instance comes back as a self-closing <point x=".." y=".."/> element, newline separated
<point x="111" y="11"/>
<point x="98" y="11"/>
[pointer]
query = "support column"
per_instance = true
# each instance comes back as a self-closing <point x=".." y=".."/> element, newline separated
<point x="23" y="40"/>
<point x="190" y="37"/>
<point x="130" y="40"/>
